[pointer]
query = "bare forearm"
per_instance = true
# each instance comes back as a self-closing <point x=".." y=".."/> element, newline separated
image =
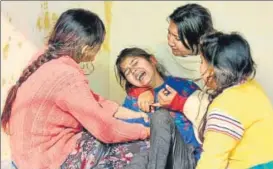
<point x="125" y="113"/>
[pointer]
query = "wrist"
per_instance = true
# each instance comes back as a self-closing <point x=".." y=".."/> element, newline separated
<point x="145" y="133"/>
<point x="177" y="103"/>
<point x="122" y="113"/>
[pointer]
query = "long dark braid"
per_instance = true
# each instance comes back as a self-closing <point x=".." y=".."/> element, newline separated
<point x="74" y="29"/>
<point x="27" y="72"/>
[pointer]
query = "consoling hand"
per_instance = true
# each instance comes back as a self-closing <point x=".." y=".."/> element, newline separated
<point x="165" y="97"/>
<point x="124" y="113"/>
<point x="145" y="100"/>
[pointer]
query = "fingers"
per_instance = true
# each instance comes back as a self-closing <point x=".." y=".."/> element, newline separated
<point x="170" y="89"/>
<point x="145" y="105"/>
<point x="148" y="131"/>
<point x="144" y="101"/>
<point x="156" y="105"/>
<point x="145" y="117"/>
<point x="141" y="105"/>
<point x="162" y="98"/>
<point x="163" y="92"/>
<point x="165" y="96"/>
<point x="152" y="108"/>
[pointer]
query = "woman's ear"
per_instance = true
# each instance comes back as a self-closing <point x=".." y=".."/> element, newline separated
<point x="83" y="54"/>
<point x="84" y="49"/>
<point x="211" y="78"/>
<point x="153" y="60"/>
<point x="89" y="53"/>
<point x="211" y="71"/>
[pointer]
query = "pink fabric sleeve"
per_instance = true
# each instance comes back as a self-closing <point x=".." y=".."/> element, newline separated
<point x="96" y="113"/>
<point x="110" y="106"/>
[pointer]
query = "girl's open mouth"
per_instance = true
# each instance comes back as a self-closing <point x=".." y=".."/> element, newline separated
<point x="140" y="76"/>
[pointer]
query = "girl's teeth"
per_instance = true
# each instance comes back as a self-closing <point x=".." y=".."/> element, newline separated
<point x="141" y="75"/>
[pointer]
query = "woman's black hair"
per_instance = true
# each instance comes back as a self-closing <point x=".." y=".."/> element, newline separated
<point x="230" y="57"/>
<point x="193" y="21"/>
<point x="74" y="29"/>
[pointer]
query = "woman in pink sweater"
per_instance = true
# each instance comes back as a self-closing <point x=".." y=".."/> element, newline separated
<point x="54" y="119"/>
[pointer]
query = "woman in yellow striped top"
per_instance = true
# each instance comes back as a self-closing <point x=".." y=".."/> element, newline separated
<point x="237" y="129"/>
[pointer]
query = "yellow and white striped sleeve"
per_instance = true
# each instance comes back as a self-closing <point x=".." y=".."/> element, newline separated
<point x="222" y="133"/>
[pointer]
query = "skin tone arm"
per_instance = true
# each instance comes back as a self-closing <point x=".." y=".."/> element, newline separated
<point x="145" y="100"/>
<point x="125" y="113"/>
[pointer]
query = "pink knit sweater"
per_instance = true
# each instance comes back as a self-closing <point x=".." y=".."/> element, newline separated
<point x="50" y="110"/>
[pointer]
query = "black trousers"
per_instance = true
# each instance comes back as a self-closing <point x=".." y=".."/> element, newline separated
<point x="168" y="150"/>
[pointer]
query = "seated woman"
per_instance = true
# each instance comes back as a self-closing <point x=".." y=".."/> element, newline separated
<point x="54" y="119"/>
<point x="135" y="68"/>
<point x="237" y="129"/>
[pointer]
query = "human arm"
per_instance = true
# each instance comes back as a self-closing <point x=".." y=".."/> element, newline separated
<point x="144" y="96"/>
<point x="97" y="114"/>
<point x="223" y="132"/>
<point x="175" y="94"/>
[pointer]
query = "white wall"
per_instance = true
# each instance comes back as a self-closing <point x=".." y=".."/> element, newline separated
<point x="144" y="24"/>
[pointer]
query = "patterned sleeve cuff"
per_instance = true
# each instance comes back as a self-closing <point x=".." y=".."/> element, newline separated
<point x="177" y="103"/>
<point x="221" y="122"/>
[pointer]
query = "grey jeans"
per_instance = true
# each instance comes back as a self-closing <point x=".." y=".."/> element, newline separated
<point x="168" y="150"/>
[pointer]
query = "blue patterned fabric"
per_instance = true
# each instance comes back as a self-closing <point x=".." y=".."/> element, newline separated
<point x="184" y="88"/>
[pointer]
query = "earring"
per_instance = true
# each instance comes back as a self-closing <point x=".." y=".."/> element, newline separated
<point x="87" y="67"/>
<point x="90" y="67"/>
<point x="84" y="49"/>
